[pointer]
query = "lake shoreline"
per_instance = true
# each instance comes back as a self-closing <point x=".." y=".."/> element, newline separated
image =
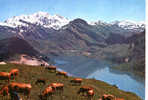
<point x="83" y="63"/>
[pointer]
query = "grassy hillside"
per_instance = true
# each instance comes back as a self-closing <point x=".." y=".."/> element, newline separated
<point x="29" y="74"/>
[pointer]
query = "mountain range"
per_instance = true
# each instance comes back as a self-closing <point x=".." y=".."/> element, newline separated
<point x="74" y="34"/>
<point x="57" y="35"/>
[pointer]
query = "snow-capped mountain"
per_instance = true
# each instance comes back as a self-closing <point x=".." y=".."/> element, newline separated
<point x="125" y="24"/>
<point x="56" y="22"/>
<point x="40" y="18"/>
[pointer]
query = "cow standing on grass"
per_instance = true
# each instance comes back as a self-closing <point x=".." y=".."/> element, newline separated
<point x="46" y="93"/>
<point x="62" y="73"/>
<point x="87" y="91"/>
<point x="4" y="92"/>
<point x="110" y="97"/>
<point x="90" y="94"/>
<point x="5" y="76"/>
<point x="51" y="68"/>
<point x="107" y="97"/>
<point x="57" y="86"/>
<point x="84" y="89"/>
<point x="20" y="88"/>
<point x="76" y="81"/>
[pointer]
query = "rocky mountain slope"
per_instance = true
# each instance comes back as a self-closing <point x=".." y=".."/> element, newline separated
<point x="15" y="46"/>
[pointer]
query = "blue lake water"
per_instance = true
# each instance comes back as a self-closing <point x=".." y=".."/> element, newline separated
<point x="123" y="81"/>
<point x="90" y="68"/>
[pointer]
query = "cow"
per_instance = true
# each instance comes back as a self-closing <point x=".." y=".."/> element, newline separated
<point x="14" y="72"/>
<point x="84" y="89"/>
<point x="47" y="92"/>
<point x="5" y="76"/>
<point x="90" y="94"/>
<point x="76" y="81"/>
<point x="20" y="88"/>
<point x="51" y="68"/>
<point x="108" y="97"/>
<point x="62" y="73"/>
<point x="40" y="80"/>
<point x="57" y="86"/>
<point x="4" y="91"/>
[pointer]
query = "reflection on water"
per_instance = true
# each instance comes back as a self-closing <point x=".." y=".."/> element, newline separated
<point x="123" y="81"/>
<point x="90" y="68"/>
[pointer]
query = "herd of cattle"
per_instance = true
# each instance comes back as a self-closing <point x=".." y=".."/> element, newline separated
<point x="24" y="88"/>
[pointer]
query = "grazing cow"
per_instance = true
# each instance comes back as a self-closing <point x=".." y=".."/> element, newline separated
<point x="4" y="90"/>
<point x="47" y="92"/>
<point x="57" y="86"/>
<point x="40" y="80"/>
<point x="62" y="73"/>
<point x="5" y="76"/>
<point x="84" y="89"/>
<point x="77" y="81"/>
<point x="14" y="72"/>
<point x="52" y="68"/>
<point x="20" y="88"/>
<point x="90" y="94"/>
<point x="108" y="97"/>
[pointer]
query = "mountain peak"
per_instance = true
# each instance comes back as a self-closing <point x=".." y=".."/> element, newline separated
<point x="128" y="24"/>
<point x="79" y="21"/>
<point x="39" y="18"/>
<point x="123" y="24"/>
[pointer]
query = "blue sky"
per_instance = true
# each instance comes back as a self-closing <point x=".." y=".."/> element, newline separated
<point x="90" y="10"/>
